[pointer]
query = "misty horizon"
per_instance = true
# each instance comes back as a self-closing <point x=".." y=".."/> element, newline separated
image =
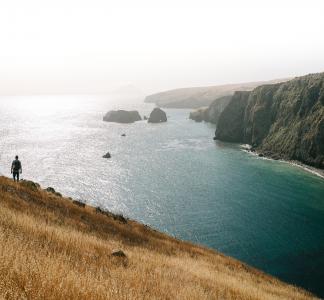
<point x="83" y="47"/>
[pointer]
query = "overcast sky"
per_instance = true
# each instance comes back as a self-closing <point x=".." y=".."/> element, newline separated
<point x="85" y="46"/>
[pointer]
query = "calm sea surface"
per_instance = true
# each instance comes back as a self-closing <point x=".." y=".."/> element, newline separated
<point x="174" y="177"/>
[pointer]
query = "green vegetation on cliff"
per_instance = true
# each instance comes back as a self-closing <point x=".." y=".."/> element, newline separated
<point x="284" y="120"/>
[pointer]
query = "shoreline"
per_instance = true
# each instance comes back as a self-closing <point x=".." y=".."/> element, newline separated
<point x="315" y="171"/>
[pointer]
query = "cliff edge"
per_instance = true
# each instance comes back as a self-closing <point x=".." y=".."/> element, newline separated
<point x="283" y="121"/>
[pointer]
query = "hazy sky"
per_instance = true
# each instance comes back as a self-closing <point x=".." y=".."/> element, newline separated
<point x="85" y="46"/>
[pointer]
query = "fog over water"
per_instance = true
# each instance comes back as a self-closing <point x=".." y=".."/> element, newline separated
<point x="174" y="177"/>
<point x="95" y="46"/>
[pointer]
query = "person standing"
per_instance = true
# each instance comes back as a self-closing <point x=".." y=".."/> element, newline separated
<point x="16" y="168"/>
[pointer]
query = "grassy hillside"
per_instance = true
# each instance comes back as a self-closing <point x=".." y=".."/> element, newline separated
<point x="196" y="97"/>
<point x="284" y="120"/>
<point x="53" y="248"/>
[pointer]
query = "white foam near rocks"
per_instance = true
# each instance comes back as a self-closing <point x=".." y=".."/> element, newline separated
<point x="246" y="147"/>
<point x="310" y="169"/>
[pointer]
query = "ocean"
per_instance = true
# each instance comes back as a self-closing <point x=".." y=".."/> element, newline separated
<point x="173" y="177"/>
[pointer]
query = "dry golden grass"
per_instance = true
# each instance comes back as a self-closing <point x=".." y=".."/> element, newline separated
<point x="51" y="248"/>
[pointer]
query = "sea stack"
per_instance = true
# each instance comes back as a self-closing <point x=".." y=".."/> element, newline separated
<point x="157" y="116"/>
<point x="107" y="155"/>
<point x="122" y="116"/>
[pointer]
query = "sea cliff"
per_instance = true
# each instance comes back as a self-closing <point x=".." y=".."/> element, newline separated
<point x="282" y="121"/>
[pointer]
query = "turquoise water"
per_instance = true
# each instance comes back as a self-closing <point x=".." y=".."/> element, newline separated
<point x="174" y="177"/>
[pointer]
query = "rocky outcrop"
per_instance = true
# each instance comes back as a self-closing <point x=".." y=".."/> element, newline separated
<point x="157" y="116"/>
<point x="78" y="203"/>
<point x="283" y="120"/>
<point x="30" y="184"/>
<point x="212" y="112"/>
<point x="198" y="115"/>
<point x="107" y="155"/>
<point x="52" y="191"/>
<point x="122" y="116"/>
<point x="118" y="253"/>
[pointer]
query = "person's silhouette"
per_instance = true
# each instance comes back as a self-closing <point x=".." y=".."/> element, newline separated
<point x="16" y="168"/>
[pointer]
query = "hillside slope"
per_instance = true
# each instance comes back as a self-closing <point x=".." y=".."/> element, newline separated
<point x="196" y="97"/>
<point x="284" y="120"/>
<point x="53" y="248"/>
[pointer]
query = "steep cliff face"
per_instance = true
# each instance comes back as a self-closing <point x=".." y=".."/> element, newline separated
<point x="212" y="112"/>
<point x="283" y="120"/>
<point x="230" y="127"/>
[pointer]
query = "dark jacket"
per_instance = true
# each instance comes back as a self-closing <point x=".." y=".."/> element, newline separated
<point x="16" y="166"/>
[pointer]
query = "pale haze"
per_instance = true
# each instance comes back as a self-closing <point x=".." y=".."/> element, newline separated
<point x="97" y="46"/>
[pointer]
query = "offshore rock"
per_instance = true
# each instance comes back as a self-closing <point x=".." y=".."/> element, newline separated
<point x="157" y="116"/>
<point x="107" y="155"/>
<point x="122" y="116"/>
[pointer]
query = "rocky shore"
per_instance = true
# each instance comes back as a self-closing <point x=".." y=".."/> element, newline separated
<point x="316" y="171"/>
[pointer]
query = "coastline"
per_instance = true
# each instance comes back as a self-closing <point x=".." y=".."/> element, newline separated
<point x="315" y="171"/>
